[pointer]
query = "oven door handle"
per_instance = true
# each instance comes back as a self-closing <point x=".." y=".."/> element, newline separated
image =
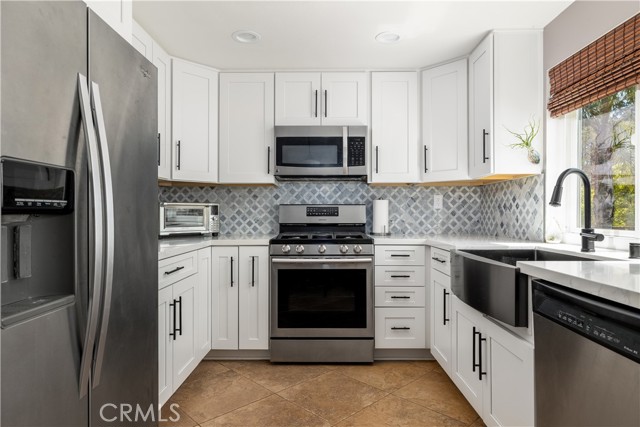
<point x="322" y="260"/>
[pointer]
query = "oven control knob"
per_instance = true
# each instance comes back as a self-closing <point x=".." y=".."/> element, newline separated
<point x="357" y="249"/>
<point x="344" y="249"/>
<point x="286" y="249"/>
<point x="322" y="249"/>
<point x="299" y="249"/>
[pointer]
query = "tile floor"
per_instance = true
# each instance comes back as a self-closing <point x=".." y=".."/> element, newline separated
<point x="258" y="393"/>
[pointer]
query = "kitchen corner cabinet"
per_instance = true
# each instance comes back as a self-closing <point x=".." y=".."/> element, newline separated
<point x="441" y="330"/>
<point x="394" y="127"/>
<point x="246" y="128"/>
<point x="195" y="122"/>
<point x="183" y="331"/>
<point x="444" y="123"/>
<point x="505" y="94"/>
<point x="492" y="368"/>
<point x="400" y="297"/>
<point x="240" y="298"/>
<point x="117" y="13"/>
<point x="321" y="99"/>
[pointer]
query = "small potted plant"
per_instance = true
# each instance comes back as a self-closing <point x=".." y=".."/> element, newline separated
<point x="526" y="140"/>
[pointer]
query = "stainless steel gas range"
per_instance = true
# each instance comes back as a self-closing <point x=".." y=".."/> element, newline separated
<point x="322" y="285"/>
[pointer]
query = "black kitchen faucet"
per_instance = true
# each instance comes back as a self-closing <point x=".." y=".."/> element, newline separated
<point x="589" y="236"/>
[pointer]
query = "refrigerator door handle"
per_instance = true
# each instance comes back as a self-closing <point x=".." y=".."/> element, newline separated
<point x="95" y="283"/>
<point x="96" y="105"/>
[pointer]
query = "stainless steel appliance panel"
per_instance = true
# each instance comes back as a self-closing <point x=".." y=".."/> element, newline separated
<point x="128" y="87"/>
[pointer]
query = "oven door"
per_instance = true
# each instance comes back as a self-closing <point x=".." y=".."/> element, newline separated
<point x="322" y="297"/>
<point x="310" y="156"/>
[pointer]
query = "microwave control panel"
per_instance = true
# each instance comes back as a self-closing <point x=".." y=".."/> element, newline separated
<point x="355" y="150"/>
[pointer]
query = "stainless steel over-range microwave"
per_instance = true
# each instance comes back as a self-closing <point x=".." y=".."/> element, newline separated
<point x="189" y="218"/>
<point x="320" y="151"/>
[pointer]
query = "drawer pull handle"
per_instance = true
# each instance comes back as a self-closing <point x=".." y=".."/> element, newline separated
<point x="400" y="276"/>
<point x="441" y="261"/>
<point x="175" y="270"/>
<point x="400" y="255"/>
<point x="400" y="297"/>
<point x="400" y="328"/>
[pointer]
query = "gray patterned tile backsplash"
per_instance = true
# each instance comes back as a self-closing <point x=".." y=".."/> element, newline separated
<point x="466" y="210"/>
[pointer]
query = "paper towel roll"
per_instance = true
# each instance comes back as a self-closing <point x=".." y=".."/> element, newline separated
<point x="380" y="217"/>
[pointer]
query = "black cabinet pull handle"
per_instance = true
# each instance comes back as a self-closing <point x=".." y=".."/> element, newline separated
<point x="480" y="340"/>
<point x="173" y="307"/>
<point x="484" y="145"/>
<point x="178" y="165"/>
<point x="400" y="328"/>
<point x="253" y="271"/>
<point x="400" y="297"/>
<point x="326" y="107"/>
<point x="268" y="160"/>
<point x="376" y="159"/>
<point x="180" y="328"/>
<point x="426" y="169"/>
<point x="316" y="113"/>
<point x="473" y="349"/>
<point x="158" y="148"/>
<point x="175" y="270"/>
<point x="400" y="276"/>
<point x="441" y="261"/>
<point x="232" y="272"/>
<point x="400" y="255"/>
<point x="444" y="307"/>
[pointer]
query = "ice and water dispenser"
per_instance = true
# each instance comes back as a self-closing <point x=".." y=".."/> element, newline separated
<point x="38" y="240"/>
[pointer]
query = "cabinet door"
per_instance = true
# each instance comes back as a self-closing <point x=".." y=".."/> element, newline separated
<point x="481" y="109"/>
<point x="185" y="359"/>
<point x="165" y="344"/>
<point x="117" y="13"/>
<point x="509" y="396"/>
<point x="195" y="126"/>
<point x="162" y="61"/>
<point x="253" y="304"/>
<point x="441" y="319"/>
<point x="203" y="304"/>
<point x="466" y="354"/>
<point x="344" y="99"/>
<point x="246" y="128"/>
<point x="298" y="99"/>
<point x="394" y="127"/>
<point x="142" y="41"/>
<point x="224" y="297"/>
<point x="444" y="123"/>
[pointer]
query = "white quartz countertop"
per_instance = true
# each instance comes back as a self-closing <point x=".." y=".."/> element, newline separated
<point x="173" y="246"/>
<point x="617" y="281"/>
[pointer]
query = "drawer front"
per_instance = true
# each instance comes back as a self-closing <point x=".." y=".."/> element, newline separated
<point x="399" y="276"/>
<point x="400" y="296"/>
<point x="176" y="268"/>
<point x="400" y="328"/>
<point x="441" y="260"/>
<point x="399" y="255"/>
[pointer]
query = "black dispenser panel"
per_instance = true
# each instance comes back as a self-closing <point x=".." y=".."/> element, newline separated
<point x="30" y="188"/>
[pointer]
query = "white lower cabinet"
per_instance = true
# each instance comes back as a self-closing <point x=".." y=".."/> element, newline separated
<point x="400" y="327"/>
<point x="240" y="298"/>
<point x="441" y="319"/>
<point x="183" y="333"/>
<point x="493" y="368"/>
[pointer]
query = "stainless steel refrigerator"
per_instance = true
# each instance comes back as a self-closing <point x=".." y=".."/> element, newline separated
<point x="79" y="221"/>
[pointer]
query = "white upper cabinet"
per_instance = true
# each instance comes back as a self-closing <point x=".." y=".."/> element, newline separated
<point x="246" y="128"/>
<point x="394" y="127"/>
<point x="314" y="99"/>
<point x="195" y="122"/>
<point x="444" y="123"/>
<point x="505" y="94"/>
<point x="117" y="13"/>
<point x="142" y="41"/>
<point x="162" y="61"/>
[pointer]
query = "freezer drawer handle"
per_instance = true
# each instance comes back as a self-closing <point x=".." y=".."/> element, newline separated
<point x="400" y="328"/>
<point x="175" y="270"/>
<point x="400" y="276"/>
<point x="444" y="307"/>
<point x="400" y="297"/>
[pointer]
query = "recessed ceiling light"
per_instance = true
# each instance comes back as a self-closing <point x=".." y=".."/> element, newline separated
<point x="388" y="37"/>
<point x="246" y="36"/>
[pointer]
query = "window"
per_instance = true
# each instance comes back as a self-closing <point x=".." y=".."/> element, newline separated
<point x="607" y="154"/>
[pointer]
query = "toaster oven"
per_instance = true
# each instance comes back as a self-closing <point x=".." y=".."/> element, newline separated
<point x="189" y="218"/>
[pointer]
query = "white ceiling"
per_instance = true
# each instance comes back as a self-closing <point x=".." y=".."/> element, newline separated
<point x="332" y="34"/>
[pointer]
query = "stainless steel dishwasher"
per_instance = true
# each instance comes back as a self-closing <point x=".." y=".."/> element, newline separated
<point x="587" y="359"/>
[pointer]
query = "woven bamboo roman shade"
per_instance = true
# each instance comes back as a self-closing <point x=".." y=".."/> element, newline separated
<point x="603" y="68"/>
